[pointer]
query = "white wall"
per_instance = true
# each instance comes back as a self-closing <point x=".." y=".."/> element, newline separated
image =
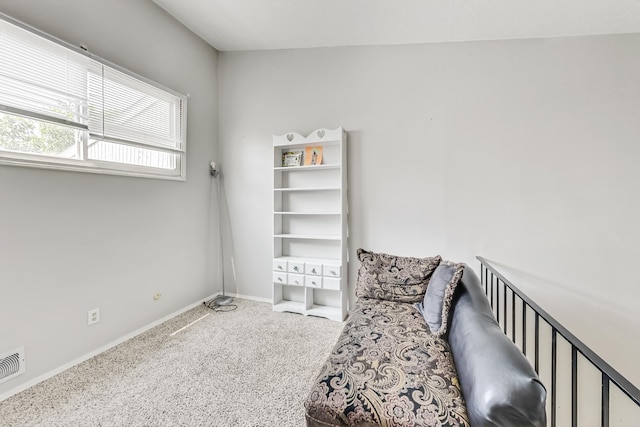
<point x="70" y="242"/>
<point x="520" y="151"/>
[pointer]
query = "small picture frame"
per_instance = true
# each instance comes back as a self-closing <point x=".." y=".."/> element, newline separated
<point x="313" y="156"/>
<point x="291" y="158"/>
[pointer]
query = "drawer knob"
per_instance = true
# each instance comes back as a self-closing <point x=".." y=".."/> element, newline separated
<point x="279" y="279"/>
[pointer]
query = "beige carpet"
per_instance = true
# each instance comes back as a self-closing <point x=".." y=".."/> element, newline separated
<point x="248" y="367"/>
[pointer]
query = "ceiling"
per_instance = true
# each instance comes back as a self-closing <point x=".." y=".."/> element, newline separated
<point x="281" y="24"/>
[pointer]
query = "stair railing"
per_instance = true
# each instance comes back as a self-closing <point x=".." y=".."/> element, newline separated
<point x="508" y="303"/>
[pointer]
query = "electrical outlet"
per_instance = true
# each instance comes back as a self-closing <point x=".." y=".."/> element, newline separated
<point x="93" y="316"/>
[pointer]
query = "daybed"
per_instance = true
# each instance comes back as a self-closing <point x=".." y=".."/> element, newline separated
<point x="421" y="347"/>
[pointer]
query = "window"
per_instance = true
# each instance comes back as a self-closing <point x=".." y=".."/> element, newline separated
<point x="62" y="108"/>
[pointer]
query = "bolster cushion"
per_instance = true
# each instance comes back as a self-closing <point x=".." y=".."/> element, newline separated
<point x="499" y="385"/>
<point x="438" y="299"/>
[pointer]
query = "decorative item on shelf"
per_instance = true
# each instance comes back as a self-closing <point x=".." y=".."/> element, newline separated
<point x="313" y="156"/>
<point x="291" y="158"/>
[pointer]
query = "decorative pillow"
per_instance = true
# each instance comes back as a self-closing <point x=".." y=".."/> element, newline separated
<point x="439" y="296"/>
<point x="393" y="278"/>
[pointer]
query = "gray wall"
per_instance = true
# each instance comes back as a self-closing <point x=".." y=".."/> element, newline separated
<point x="521" y="151"/>
<point x="70" y="242"/>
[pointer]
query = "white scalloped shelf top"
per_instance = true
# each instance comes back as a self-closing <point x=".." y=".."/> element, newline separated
<point x="318" y="136"/>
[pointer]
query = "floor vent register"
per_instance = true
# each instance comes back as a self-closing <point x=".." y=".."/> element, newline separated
<point x="12" y="364"/>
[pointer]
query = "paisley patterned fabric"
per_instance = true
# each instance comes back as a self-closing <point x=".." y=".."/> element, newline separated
<point x="393" y="278"/>
<point x="387" y="370"/>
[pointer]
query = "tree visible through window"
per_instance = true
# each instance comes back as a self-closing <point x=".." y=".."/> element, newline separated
<point x="30" y="136"/>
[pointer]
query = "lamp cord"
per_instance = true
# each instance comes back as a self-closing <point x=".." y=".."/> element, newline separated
<point x="216" y="307"/>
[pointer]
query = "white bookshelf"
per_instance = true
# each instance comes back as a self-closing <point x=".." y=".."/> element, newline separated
<point x="310" y="226"/>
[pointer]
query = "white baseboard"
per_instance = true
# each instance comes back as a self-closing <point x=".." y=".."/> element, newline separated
<point x="88" y="356"/>
<point x="252" y="298"/>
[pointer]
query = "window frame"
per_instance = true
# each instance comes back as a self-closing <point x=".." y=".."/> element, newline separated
<point x="13" y="158"/>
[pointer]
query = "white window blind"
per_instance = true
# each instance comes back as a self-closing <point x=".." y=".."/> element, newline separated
<point x="63" y="108"/>
<point x="123" y="108"/>
<point x="41" y="79"/>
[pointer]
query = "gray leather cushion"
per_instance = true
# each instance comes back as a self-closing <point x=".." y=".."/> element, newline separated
<point x="499" y="384"/>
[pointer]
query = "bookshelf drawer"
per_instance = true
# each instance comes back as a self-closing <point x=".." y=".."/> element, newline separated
<point x="334" y="284"/>
<point x="332" y="270"/>
<point x="313" y="268"/>
<point x="295" y="267"/>
<point x="313" y="281"/>
<point x="279" y="277"/>
<point x="280" y="265"/>
<point x="295" y="279"/>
